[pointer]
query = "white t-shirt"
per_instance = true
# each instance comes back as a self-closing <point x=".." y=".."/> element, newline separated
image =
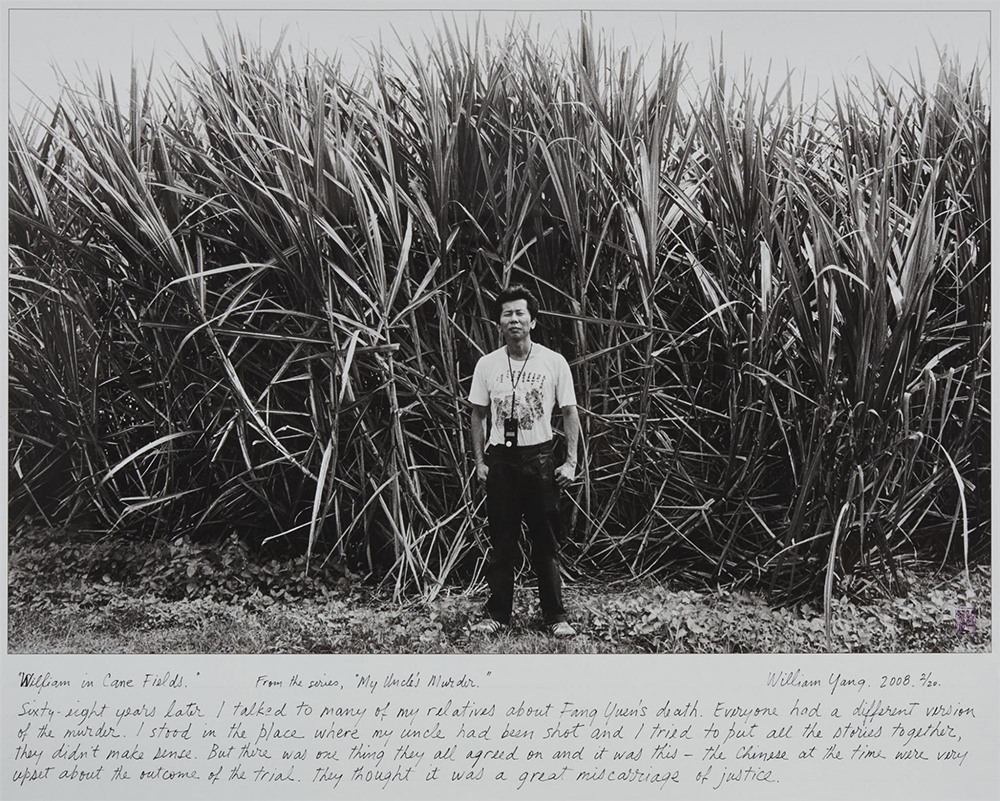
<point x="545" y="382"/>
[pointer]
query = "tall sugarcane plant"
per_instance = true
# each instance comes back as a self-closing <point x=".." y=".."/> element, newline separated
<point x="251" y="300"/>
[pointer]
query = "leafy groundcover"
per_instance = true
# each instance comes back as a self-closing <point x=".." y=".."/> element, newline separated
<point x="76" y="593"/>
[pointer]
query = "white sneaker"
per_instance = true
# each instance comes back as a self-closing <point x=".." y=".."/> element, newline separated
<point x="488" y="626"/>
<point x="562" y="629"/>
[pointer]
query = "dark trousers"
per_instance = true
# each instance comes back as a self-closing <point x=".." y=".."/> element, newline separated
<point x="521" y="484"/>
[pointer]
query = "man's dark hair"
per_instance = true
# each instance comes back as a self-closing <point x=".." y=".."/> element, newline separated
<point x="516" y="292"/>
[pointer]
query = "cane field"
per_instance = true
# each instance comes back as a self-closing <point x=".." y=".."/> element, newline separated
<point x="245" y="304"/>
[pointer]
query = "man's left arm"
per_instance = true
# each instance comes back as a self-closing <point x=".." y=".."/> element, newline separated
<point x="566" y="472"/>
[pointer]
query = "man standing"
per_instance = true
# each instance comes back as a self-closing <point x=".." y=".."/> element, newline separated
<point x="517" y="386"/>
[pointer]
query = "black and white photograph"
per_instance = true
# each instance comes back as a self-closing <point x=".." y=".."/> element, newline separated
<point x="360" y="331"/>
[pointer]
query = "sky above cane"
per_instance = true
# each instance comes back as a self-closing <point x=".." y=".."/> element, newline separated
<point x="819" y="46"/>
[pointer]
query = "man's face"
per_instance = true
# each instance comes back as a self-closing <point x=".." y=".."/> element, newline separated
<point x="515" y="321"/>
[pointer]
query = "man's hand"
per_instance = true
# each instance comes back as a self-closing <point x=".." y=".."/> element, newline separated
<point x="479" y="441"/>
<point x="565" y="474"/>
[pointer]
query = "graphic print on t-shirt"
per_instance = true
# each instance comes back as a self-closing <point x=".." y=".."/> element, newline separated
<point x="530" y="407"/>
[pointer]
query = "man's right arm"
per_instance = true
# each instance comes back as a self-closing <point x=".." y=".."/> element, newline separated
<point x="479" y="440"/>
